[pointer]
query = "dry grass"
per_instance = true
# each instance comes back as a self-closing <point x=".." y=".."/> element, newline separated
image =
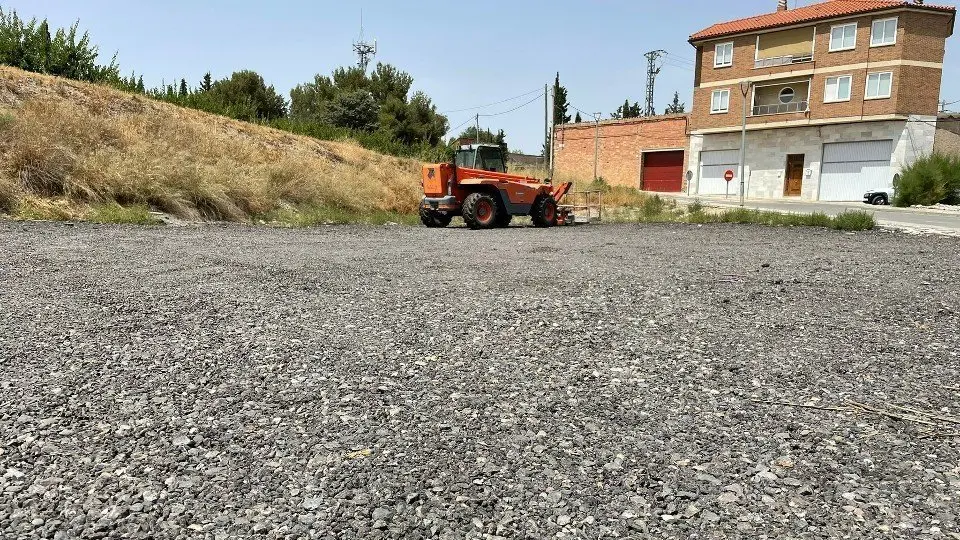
<point x="70" y="147"/>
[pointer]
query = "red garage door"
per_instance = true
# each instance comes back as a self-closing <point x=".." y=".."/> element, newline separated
<point x="663" y="171"/>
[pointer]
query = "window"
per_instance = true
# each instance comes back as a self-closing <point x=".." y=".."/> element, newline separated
<point x="843" y="37"/>
<point x="883" y="32"/>
<point x="786" y="95"/>
<point x="838" y="89"/>
<point x="723" y="55"/>
<point x="720" y="101"/>
<point x="878" y="85"/>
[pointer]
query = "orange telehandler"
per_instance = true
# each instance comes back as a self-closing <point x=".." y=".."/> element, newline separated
<point x="477" y="187"/>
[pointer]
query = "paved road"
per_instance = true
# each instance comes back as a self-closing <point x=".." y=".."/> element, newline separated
<point x="888" y="216"/>
<point x="597" y="382"/>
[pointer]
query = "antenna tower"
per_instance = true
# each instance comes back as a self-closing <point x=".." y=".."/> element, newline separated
<point x="364" y="49"/>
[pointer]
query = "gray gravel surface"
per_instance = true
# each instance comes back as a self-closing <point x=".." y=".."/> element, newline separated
<point x="590" y="382"/>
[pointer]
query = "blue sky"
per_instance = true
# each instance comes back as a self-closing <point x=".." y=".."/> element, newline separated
<point x="461" y="58"/>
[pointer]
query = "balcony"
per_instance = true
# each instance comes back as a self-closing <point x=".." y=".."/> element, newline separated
<point x="780" y="108"/>
<point x="781" y="98"/>
<point x="784" y="48"/>
<point x="784" y="60"/>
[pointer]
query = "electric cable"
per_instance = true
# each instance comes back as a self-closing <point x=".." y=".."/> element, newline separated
<point x="494" y="103"/>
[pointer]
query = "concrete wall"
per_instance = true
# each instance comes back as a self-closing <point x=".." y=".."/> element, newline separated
<point x="621" y="144"/>
<point x="767" y="150"/>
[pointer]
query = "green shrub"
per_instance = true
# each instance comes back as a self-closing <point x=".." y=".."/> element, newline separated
<point x="696" y="207"/>
<point x="853" y="220"/>
<point x="930" y="180"/>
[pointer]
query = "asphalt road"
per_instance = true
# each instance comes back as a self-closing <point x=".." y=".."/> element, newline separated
<point x="889" y="216"/>
<point x="609" y="381"/>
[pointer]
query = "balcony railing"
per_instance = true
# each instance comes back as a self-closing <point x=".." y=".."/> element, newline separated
<point x="783" y="60"/>
<point x="780" y="108"/>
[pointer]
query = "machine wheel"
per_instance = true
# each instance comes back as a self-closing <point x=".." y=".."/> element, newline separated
<point x="480" y="211"/>
<point x="544" y="212"/>
<point x="434" y="219"/>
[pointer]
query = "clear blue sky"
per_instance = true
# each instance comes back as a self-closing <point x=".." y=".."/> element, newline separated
<point x="478" y="54"/>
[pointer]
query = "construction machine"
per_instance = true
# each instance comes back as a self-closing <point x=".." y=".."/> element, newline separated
<point x="476" y="186"/>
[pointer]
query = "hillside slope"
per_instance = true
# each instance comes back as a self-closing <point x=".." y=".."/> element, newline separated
<point x="68" y="148"/>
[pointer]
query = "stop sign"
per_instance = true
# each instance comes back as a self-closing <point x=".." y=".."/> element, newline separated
<point x="728" y="176"/>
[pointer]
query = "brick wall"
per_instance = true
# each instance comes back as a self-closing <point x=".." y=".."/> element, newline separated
<point x="948" y="135"/>
<point x="920" y="37"/>
<point x="621" y="144"/>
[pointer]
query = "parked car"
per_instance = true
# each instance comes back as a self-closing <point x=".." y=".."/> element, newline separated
<point x="878" y="196"/>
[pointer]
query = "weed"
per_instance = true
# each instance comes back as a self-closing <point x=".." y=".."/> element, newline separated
<point x="853" y="220"/>
<point x="696" y="207"/>
<point x="114" y="213"/>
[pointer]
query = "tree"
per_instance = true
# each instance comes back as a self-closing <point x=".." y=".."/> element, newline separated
<point x="245" y="96"/>
<point x="577" y="119"/>
<point x="627" y="110"/>
<point x="387" y="81"/>
<point x="353" y="110"/>
<point x="183" y="88"/>
<point x="486" y="136"/>
<point x="676" y="107"/>
<point x="560" y="104"/>
<point x="206" y="83"/>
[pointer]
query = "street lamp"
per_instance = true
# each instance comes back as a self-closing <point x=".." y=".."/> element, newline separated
<point x="744" y="89"/>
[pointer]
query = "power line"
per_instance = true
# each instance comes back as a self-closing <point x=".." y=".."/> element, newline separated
<point x="681" y="59"/>
<point x="513" y="109"/>
<point x="451" y="130"/>
<point x="494" y="103"/>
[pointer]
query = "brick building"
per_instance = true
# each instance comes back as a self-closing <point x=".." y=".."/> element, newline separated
<point x="646" y="153"/>
<point x="839" y="96"/>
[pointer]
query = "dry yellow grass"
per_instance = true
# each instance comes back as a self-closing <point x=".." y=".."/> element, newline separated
<point x="67" y="145"/>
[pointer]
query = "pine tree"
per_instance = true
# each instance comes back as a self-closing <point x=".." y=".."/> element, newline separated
<point x="676" y="107"/>
<point x="206" y="83"/>
<point x="183" y="87"/>
<point x="577" y="119"/>
<point x="560" y="104"/>
<point x="140" y="87"/>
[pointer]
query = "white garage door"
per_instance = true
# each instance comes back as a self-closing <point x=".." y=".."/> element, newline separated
<point x="713" y="163"/>
<point x="850" y="169"/>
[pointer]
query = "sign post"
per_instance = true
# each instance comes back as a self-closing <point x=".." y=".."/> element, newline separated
<point x="728" y="176"/>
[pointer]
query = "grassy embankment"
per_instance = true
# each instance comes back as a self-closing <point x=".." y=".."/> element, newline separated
<point x="71" y="150"/>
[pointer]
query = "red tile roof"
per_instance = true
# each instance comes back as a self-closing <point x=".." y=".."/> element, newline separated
<point x="814" y="12"/>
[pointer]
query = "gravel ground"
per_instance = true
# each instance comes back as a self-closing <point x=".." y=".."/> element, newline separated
<point x="589" y="382"/>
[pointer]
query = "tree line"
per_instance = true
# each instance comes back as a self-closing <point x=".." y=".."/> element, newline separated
<point x="377" y="109"/>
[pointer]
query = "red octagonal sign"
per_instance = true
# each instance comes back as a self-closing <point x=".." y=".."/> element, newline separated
<point x="728" y="176"/>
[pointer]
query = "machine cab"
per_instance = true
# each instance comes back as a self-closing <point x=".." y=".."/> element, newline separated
<point x="485" y="157"/>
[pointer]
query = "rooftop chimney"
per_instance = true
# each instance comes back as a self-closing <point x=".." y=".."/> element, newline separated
<point x="782" y="5"/>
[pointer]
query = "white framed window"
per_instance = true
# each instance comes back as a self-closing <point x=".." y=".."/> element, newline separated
<point x="723" y="55"/>
<point x="843" y="37"/>
<point x="720" y="101"/>
<point x="883" y="32"/>
<point x="879" y="85"/>
<point x="837" y="89"/>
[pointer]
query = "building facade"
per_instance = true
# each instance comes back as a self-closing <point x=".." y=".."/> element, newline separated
<point x="837" y="97"/>
<point x="645" y="153"/>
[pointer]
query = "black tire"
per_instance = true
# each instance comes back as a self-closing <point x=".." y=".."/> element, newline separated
<point x="480" y="211"/>
<point x="879" y="200"/>
<point x="544" y="212"/>
<point x="434" y="219"/>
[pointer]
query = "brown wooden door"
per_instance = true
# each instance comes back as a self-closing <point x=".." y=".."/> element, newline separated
<point x="794" y="182"/>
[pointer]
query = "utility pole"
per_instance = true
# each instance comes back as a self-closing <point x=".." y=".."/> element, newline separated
<point x="477" y="118"/>
<point x="652" y="71"/>
<point x="553" y="134"/>
<point x="546" y="127"/>
<point x="744" y="89"/>
<point x="596" y="144"/>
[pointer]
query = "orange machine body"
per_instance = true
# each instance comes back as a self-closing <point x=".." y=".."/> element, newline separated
<point x="445" y="179"/>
